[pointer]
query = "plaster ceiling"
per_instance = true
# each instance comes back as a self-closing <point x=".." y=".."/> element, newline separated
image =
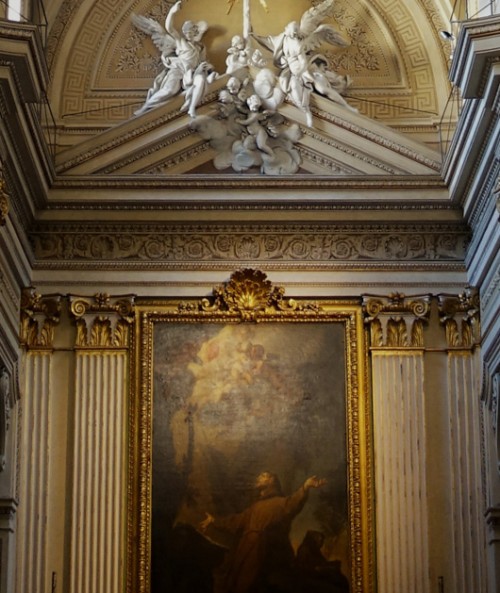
<point x="101" y="67"/>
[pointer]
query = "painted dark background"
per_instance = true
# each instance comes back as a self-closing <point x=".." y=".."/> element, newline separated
<point x="231" y="401"/>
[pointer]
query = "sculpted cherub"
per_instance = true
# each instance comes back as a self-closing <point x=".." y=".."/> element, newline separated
<point x="259" y="124"/>
<point x="293" y="53"/>
<point x="183" y="57"/>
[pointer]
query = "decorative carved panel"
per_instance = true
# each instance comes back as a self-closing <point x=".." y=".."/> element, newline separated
<point x="307" y="243"/>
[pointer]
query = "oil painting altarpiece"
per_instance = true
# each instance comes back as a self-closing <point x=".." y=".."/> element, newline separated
<point x="240" y="383"/>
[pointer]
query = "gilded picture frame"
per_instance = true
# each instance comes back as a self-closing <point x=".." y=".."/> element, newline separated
<point x="239" y="389"/>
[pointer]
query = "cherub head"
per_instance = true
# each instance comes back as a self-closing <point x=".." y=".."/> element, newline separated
<point x="233" y="85"/>
<point x="237" y="42"/>
<point x="254" y="102"/>
<point x="225" y="96"/>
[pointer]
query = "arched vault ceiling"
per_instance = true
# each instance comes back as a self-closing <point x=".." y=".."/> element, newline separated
<point x="101" y="65"/>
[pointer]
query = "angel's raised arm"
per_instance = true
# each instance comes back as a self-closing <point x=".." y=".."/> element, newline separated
<point x="169" y="21"/>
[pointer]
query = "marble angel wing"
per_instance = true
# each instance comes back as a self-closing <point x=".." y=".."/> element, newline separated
<point x="326" y="34"/>
<point x="163" y="40"/>
<point x="315" y="33"/>
<point x="313" y="17"/>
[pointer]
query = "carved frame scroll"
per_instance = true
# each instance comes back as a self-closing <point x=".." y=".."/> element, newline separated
<point x="306" y="390"/>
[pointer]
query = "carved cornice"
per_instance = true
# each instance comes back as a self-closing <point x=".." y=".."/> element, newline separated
<point x="459" y="314"/>
<point x="233" y="182"/>
<point x="234" y="243"/>
<point x="102" y="321"/>
<point x="39" y="317"/>
<point x="396" y="321"/>
<point x="4" y="197"/>
<point x="248" y="295"/>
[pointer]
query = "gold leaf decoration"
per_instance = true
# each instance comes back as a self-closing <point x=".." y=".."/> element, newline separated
<point x="39" y="317"/>
<point x="460" y="316"/>
<point x="397" y="321"/>
<point x="248" y="295"/>
<point x="102" y="321"/>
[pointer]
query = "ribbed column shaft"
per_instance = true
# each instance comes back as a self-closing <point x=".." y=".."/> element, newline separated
<point x="400" y="478"/>
<point x="467" y="500"/>
<point x="98" y="474"/>
<point x="34" y="475"/>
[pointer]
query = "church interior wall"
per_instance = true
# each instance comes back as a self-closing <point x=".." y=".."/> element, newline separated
<point x="55" y="537"/>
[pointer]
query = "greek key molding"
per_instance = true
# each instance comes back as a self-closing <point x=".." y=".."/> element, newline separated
<point x="102" y="321"/>
<point x="396" y="321"/>
<point x="459" y="314"/>
<point x="305" y="243"/>
<point x="39" y="317"/>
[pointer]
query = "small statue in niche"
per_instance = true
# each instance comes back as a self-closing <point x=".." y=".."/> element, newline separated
<point x="293" y="54"/>
<point x="185" y="68"/>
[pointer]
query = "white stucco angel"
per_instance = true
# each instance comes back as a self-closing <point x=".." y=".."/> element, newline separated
<point x="183" y="56"/>
<point x="293" y="54"/>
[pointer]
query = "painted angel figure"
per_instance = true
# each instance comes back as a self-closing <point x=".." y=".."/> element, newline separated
<point x="293" y="53"/>
<point x="184" y="60"/>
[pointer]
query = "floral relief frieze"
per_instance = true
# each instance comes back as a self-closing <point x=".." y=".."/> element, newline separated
<point x="270" y="244"/>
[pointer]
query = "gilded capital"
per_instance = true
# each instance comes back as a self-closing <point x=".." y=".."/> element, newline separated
<point x="396" y="321"/>
<point x="39" y="317"/>
<point x="102" y="321"/>
<point x="460" y="316"/>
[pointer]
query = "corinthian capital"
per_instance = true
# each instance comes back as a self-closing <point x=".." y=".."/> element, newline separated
<point x="39" y="317"/>
<point x="396" y="321"/>
<point x="102" y="321"/>
<point x="459" y="314"/>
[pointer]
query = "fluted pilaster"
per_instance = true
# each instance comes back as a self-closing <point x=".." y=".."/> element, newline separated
<point x="39" y="316"/>
<point x="460" y="318"/>
<point x="99" y="449"/>
<point x="396" y="329"/>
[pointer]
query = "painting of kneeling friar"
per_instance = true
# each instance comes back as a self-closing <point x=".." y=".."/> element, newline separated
<point x="249" y="459"/>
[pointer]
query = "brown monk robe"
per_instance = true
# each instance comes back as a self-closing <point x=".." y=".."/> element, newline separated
<point x="262" y="545"/>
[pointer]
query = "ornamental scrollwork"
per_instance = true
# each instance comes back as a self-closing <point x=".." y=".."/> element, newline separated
<point x="396" y="321"/>
<point x="439" y="243"/>
<point x="460" y="315"/>
<point x="39" y="317"/>
<point x="102" y="321"/>
<point x="248" y="295"/>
